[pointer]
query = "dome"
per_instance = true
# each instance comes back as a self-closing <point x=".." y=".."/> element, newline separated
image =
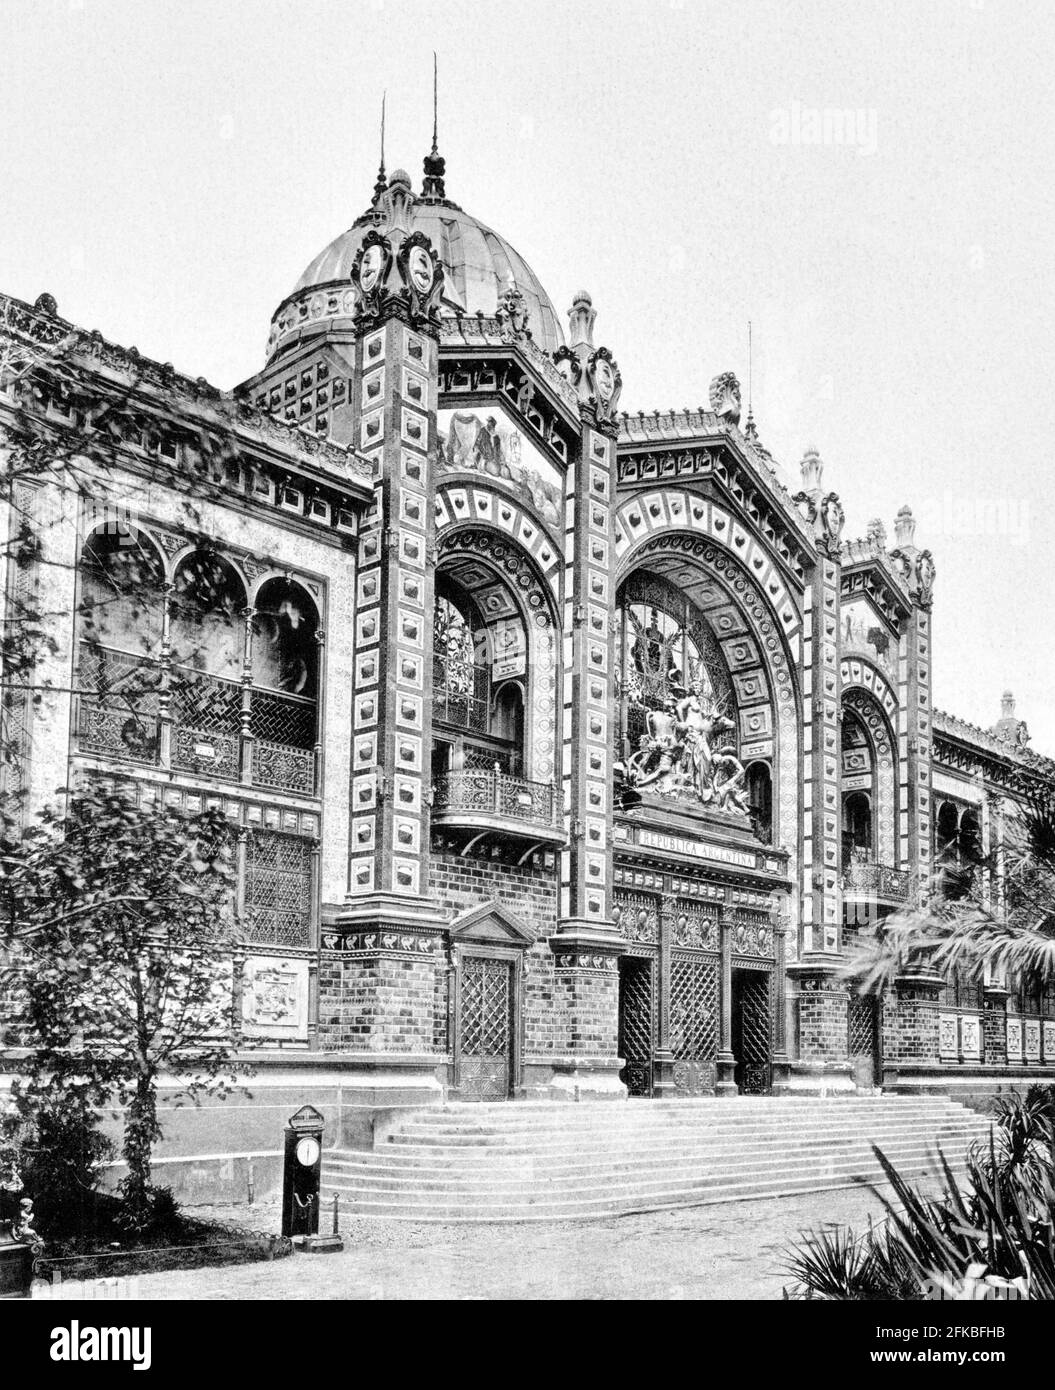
<point x="478" y="265"/>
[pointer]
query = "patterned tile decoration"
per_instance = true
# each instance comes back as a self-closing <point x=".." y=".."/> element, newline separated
<point x="391" y="721"/>
<point x="1014" y="1039"/>
<point x="647" y="513"/>
<point x="948" y="1037"/>
<point x="1048" y="1038"/>
<point x="586" y="865"/>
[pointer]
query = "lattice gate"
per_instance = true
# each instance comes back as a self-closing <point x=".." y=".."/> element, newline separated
<point x="863" y="1031"/>
<point x="694" y="1021"/>
<point x="752" y="1030"/>
<point x="637" y="1006"/>
<point x="485" y="1028"/>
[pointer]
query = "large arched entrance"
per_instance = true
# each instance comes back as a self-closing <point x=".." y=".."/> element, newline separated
<point x="700" y="757"/>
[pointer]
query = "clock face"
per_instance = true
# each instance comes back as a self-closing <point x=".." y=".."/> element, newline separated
<point x="370" y="268"/>
<point x="605" y="380"/>
<point x="308" y="1152"/>
<point x="421" y="271"/>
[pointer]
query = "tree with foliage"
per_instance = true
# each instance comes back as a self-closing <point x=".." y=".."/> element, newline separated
<point x="992" y="1234"/>
<point x="122" y="912"/>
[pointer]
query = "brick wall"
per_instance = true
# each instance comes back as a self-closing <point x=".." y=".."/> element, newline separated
<point x="822" y="1024"/>
<point x="589" y="1004"/>
<point x="995" y="1030"/>
<point x="378" y="1004"/>
<point x="915" y="1036"/>
<point x="529" y="891"/>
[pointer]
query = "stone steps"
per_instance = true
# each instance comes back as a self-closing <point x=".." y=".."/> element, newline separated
<point x="595" y="1166"/>
<point x="535" y="1162"/>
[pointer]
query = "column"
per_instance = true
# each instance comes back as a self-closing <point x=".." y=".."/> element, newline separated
<point x="585" y="930"/>
<point x="726" y="1084"/>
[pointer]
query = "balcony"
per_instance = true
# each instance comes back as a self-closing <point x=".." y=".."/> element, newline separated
<point x="867" y="879"/>
<point x="496" y="801"/>
<point x="185" y="720"/>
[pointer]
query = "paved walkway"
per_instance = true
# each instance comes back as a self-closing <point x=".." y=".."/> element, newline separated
<point x="731" y="1250"/>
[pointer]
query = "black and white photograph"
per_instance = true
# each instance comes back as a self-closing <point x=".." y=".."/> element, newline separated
<point x="527" y="706"/>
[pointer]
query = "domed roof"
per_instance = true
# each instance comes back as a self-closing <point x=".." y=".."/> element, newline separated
<point x="478" y="265"/>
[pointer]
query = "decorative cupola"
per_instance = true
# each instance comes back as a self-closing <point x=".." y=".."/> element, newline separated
<point x="916" y="566"/>
<point x="822" y="510"/>
<point x="591" y="370"/>
<point x="1008" y="728"/>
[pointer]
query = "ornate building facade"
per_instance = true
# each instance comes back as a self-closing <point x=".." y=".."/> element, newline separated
<point x="566" y="751"/>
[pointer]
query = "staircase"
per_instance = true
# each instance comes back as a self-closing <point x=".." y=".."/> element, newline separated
<point x="525" y="1161"/>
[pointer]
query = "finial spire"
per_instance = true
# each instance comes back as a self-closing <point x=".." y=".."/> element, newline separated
<point x="435" y="103"/>
<point x="382" y="183"/>
<point x="435" y="164"/>
<point x="749" y="429"/>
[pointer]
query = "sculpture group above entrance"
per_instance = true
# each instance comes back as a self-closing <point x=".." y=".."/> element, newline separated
<point x="678" y="736"/>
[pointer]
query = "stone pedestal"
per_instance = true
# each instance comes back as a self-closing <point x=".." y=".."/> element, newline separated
<point x="917" y="1024"/>
<point x="823" y="1065"/>
<point x="995" y="1024"/>
<point x="586" y="994"/>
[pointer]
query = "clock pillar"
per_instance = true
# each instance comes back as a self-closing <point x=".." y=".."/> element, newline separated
<point x="387" y="942"/>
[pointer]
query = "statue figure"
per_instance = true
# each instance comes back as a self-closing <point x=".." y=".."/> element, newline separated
<point x="725" y="398"/>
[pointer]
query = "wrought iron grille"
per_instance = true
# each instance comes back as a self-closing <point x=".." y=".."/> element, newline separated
<point x="278" y="891"/>
<point x="460" y="693"/>
<point x="861" y="1026"/>
<point x="119" y="706"/>
<point x="636" y="1022"/>
<point x="693" y="1007"/>
<point x="283" y="719"/>
<point x="486" y="1027"/>
<point x="477" y="759"/>
<point x="207" y="715"/>
<point x="206" y="703"/>
<point x="754" y="1030"/>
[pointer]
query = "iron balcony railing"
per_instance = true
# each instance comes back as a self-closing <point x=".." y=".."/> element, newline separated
<point x="868" y="876"/>
<point x="263" y="737"/>
<point x="496" y="793"/>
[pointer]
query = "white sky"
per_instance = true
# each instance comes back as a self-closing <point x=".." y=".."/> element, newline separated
<point x="169" y="169"/>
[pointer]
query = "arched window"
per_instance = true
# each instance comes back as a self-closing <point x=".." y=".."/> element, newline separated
<point x="122" y="591"/>
<point x="206" y="626"/>
<point x="948" y="826"/>
<point x="121" y="616"/>
<point x="760" y="799"/>
<point x="857" y="827"/>
<point x="284" y="700"/>
<point x="207" y="639"/>
<point x="478" y="716"/>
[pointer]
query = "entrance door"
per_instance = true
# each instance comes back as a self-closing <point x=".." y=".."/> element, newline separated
<point x="863" y="1033"/>
<point x="635" y="1023"/>
<point x="485" y="1066"/>
<point x="751" y="1031"/>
